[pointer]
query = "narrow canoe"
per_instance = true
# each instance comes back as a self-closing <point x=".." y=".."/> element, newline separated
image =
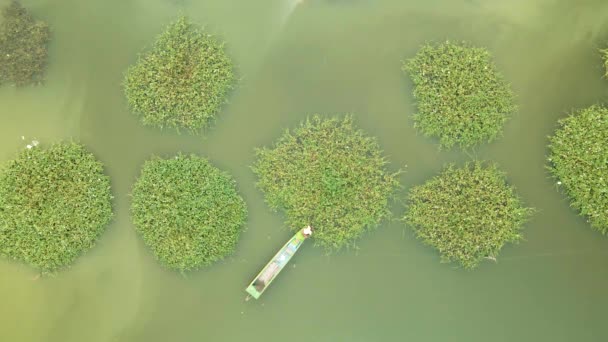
<point x="277" y="263"/>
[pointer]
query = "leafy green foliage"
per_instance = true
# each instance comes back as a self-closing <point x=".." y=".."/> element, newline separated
<point x="579" y="160"/>
<point x="468" y="213"/>
<point x="328" y="174"/>
<point x="187" y="211"/>
<point x="23" y="46"/>
<point x="182" y="82"/>
<point x="54" y="204"/>
<point x="461" y="98"/>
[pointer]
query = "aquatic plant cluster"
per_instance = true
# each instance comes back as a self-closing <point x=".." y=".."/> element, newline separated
<point x="54" y="204"/>
<point x="187" y="211"/>
<point x="328" y="174"/>
<point x="466" y="213"/>
<point x="23" y="46"/>
<point x="460" y="96"/>
<point x="578" y="159"/>
<point x="182" y="82"/>
<point x="604" y="53"/>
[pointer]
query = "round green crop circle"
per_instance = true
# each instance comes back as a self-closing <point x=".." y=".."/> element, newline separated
<point x="461" y="98"/>
<point x="182" y="82"/>
<point x="467" y="213"/>
<point x="187" y="211"/>
<point x="328" y="174"/>
<point x="54" y="204"/>
<point x="578" y="159"/>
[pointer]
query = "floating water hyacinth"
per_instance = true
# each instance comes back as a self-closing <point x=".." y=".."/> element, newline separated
<point x="468" y="214"/>
<point x="578" y="160"/>
<point x="54" y="204"/>
<point x="328" y="174"/>
<point x="604" y="53"/>
<point x="187" y="211"/>
<point x="460" y="96"/>
<point x="23" y="46"/>
<point x="182" y="82"/>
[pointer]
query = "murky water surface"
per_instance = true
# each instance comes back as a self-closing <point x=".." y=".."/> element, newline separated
<point x="320" y="56"/>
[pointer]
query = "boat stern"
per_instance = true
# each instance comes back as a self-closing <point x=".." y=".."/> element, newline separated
<point x="253" y="292"/>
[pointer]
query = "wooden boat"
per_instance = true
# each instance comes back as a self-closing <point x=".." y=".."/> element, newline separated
<point x="277" y="263"/>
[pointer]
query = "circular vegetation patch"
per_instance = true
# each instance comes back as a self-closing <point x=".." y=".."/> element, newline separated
<point x="578" y="159"/>
<point x="187" y="211"/>
<point x="328" y="174"/>
<point x="23" y="46"/>
<point x="54" y="204"/>
<point x="461" y="97"/>
<point x="182" y="82"/>
<point x="467" y="213"/>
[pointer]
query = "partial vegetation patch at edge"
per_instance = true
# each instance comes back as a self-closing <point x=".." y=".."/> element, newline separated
<point x="604" y="53"/>
<point x="578" y="159"/>
<point x="54" y="204"/>
<point x="183" y="82"/>
<point x="23" y="46"/>
<point x="187" y="211"/>
<point x="461" y="98"/>
<point x="328" y="174"/>
<point x="467" y="213"/>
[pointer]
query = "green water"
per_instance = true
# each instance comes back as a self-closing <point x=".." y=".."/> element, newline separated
<point x="327" y="57"/>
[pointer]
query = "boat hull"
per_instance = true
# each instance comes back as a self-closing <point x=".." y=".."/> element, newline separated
<point x="261" y="282"/>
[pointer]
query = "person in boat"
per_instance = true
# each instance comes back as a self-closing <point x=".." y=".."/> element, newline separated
<point x="259" y="285"/>
<point x="307" y="231"/>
